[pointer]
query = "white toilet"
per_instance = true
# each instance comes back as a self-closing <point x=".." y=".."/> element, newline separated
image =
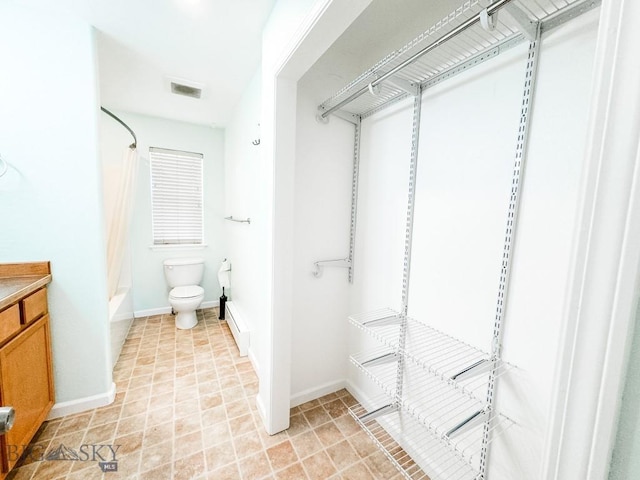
<point x="184" y="276"/>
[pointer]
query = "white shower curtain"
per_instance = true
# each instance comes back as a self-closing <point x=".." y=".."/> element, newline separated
<point x="118" y="228"/>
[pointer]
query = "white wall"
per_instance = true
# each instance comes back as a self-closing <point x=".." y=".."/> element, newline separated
<point x="273" y="230"/>
<point x="149" y="287"/>
<point x="295" y="36"/>
<point x="324" y="164"/>
<point x="51" y="198"/>
<point x="385" y="149"/>
<point x="242" y="184"/>
<point x="467" y="147"/>
<point x="625" y="460"/>
<point x="546" y="237"/>
<point x="467" y="144"/>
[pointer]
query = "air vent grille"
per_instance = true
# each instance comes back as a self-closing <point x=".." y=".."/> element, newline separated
<point x="185" y="90"/>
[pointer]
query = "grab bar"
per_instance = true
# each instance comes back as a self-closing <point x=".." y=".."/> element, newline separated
<point x="239" y="220"/>
<point x="341" y="262"/>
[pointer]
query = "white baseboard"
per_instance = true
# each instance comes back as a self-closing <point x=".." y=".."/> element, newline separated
<point x="165" y="310"/>
<point x="238" y="328"/>
<point x="71" y="407"/>
<point x="254" y="361"/>
<point x="151" y="311"/>
<point x="316" y="392"/>
<point x="261" y="410"/>
<point x="359" y="395"/>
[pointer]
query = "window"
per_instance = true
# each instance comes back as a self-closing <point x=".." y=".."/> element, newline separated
<point x="176" y="197"/>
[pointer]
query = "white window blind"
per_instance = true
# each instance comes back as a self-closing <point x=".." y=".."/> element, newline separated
<point x="176" y="197"/>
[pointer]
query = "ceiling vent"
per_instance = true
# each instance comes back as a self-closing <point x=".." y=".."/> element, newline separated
<point x="186" y="88"/>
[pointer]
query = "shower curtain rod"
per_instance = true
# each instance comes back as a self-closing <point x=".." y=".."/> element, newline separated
<point x="135" y="139"/>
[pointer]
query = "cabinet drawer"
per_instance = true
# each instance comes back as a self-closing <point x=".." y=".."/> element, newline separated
<point x="34" y="306"/>
<point x="9" y="322"/>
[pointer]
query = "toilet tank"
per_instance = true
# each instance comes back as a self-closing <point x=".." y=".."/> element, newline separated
<point x="181" y="272"/>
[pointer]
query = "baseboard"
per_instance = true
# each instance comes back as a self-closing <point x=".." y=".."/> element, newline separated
<point x="254" y="361"/>
<point x="165" y="310"/>
<point x="261" y="410"/>
<point x="316" y="392"/>
<point x="359" y="395"/>
<point x="79" y="405"/>
<point x="238" y="328"/>
<point x="151" y="311"/>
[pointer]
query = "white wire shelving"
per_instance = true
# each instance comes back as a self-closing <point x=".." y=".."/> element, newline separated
<point x="437" y="417"/>
<point x="448" y="52"/>
<point x="448" y="411"/>
<point x="401" y="438"/>
<point x="460" y="365"/>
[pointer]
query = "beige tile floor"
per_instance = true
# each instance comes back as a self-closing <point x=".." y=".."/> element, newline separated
<point x="185" y="409"/>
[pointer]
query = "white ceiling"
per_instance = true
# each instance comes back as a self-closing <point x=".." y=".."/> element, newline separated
<point x="384" y="26"/>
<point x="216" y="43"/>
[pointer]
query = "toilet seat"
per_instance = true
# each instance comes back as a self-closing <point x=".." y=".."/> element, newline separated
<point x="189" y="291"/>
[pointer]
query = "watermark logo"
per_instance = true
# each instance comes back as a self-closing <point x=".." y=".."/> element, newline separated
<point x="104" y="455"/>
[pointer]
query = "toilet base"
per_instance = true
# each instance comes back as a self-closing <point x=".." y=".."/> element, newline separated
<point x="186" y="320"/>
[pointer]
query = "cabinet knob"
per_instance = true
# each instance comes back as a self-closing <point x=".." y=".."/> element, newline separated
<point x="7" y="417"/>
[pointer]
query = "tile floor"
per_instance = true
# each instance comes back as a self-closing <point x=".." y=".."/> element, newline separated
<point x="185" y="409"/>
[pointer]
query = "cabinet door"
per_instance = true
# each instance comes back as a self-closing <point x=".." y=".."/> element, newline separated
<point x="27" y="382"/>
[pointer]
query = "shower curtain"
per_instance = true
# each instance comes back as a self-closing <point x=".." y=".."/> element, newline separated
<point x="118" y="228"/>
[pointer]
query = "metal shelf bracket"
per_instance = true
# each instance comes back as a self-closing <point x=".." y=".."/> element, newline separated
<point x="410" y="87"/>
<point x="527" y="27"/>
<point x="380" y="360"/>
<point x="378" y="412"/>
<point x="478" y="368"/>
<point x="378" y="322"/>
<point x="468" y="423"/>
<point x="341" y="262"/>
<point x="346" y="116"/>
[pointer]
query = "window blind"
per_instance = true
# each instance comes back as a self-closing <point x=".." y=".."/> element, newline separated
<point x="176" y="197"/>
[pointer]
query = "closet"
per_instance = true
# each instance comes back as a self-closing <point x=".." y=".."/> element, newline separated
<point x="466" y="160"/>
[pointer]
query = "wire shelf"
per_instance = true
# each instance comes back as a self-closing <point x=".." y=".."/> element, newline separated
<point x="436" y="394"/>
<point x="442" y="405"/>
<point x="416" y="452"/>
<point x="393" y="430"/>
<point x="474" y="41"/>
<point x="443" y="356"/>
<point x="388" y="445"/>
<point x="382" y="324"/>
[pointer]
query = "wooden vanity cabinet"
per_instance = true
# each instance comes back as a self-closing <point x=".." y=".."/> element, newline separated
<point x="26" y="373"/>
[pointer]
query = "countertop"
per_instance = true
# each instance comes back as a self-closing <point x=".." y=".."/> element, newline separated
<point x="13" y="289"/>
<point x="18" y="280"/>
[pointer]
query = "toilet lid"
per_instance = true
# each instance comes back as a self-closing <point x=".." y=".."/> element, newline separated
<point x="189" y="291"/>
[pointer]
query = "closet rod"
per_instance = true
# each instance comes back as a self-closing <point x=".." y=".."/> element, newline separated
<point x="453" y="33"/>
<point x="135" y="139"/>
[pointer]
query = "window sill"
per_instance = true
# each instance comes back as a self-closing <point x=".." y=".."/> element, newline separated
<point x="178" y="247"/>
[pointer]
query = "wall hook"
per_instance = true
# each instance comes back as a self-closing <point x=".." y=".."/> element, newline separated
<point x="256" y="141"/>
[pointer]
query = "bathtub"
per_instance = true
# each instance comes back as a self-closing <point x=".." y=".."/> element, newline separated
<point x="120" y="319"/>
